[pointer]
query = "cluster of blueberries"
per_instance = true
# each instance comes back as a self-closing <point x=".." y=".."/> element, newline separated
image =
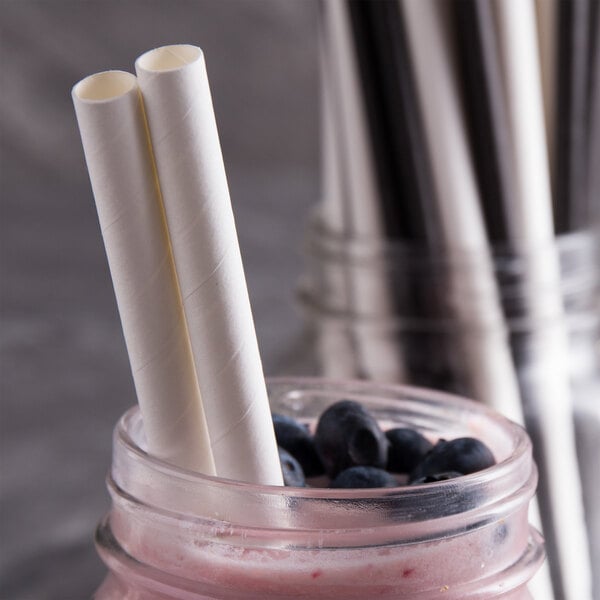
<point x="352" y="450"/>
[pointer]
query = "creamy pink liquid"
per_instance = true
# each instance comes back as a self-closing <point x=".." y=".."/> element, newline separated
<point x="437" y="568"/>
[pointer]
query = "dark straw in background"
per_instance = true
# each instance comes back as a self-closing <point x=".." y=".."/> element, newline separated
<point x="593" y="128"/>
<point x="393" y="115"/>
<point x="485" y="108"/>
<point x="571" y="206"/>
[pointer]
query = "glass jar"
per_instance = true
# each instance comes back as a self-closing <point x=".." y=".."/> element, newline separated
<point x="176" y="534"/>
<point x="534" y="330"/>
<point x="412" y="336"/>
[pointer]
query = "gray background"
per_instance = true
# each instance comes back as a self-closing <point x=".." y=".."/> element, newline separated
<point x="64" y="372"/>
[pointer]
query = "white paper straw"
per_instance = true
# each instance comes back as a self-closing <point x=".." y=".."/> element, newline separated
<point x="472" y="290"/>
<point x="114" y="135"/>
<point x="546" y="380"/>
<point x="190" y="168"/>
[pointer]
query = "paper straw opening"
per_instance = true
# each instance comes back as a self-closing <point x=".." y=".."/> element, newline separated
<point x="104" y="86"/>
<point x="169" y="58"/>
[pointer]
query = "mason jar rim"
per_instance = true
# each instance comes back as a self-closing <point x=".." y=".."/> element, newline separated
<point x="479" y="497"/>
<point x="326" y="242"/>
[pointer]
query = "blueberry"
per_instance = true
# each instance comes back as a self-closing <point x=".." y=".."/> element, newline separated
<point x="347" y="436"/>
<point x="293" y="475"/>
<point x="363" y="477"/>
<point x="295" y="438"/>
<point x="465" y="455"/>
<point x="437" y="477"/>
<point x="407" y="448"/>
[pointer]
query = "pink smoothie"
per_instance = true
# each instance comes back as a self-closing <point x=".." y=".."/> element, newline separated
<point x="423" y="570"/>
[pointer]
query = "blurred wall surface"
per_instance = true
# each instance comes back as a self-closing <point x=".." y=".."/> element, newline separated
<point x="64" y="372"/>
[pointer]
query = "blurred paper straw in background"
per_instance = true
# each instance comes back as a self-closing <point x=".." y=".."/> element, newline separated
<point x="463" y="238"/>
<point x="545" y="381"/>
<point x="370" y="291"/>
<point x="119" y="160"/>
<point x="192" y="176"/>
<point x="333" y="209"/>
<point x="530" y="211"/>
<point x="587" y="426"/>
<point x="335" y="344"/>
<point x="364" y="210"/>
<point x="547" y="17"/>
<point x="334" y="181"/>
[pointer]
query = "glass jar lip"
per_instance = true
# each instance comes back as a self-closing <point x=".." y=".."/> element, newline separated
<point x="384" y="393"/>
<point x="335" y="245"/>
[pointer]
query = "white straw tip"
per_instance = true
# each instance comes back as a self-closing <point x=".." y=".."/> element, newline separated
<point x="169" y="58"/>
<point x="104" y="86"/>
